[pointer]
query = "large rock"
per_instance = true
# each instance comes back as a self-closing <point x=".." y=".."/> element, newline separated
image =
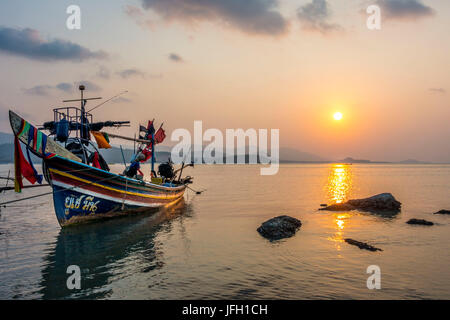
<point x="279" y="227"/>
<point x="443" y="212"/>
<point x="379" y="202"/>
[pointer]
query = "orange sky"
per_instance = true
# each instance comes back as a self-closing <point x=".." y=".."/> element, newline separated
<point x="235" y="72"/>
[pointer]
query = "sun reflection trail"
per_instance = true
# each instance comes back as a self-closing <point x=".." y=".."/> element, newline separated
<point x="339" y="183"/>
<point x="339" y="187"/>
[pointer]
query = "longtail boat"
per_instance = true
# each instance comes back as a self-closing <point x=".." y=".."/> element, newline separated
<point x="83" y="186"/>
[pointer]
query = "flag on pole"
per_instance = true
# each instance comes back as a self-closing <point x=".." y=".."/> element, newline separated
<point x="21" y="168"/>
<point x="101" y="139"/>
<point x="150" y="128"/>
<point x="160" y="135"/>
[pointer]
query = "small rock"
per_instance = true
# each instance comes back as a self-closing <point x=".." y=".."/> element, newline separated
<point x="420" y="221"/>
<point x="380" y="202"/>
<point x="443" y="212"/>
<point x="279" y="227"/>
<point x="362" y="245"/>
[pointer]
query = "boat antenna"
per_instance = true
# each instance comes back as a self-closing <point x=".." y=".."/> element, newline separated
<point x="99" y="105"/>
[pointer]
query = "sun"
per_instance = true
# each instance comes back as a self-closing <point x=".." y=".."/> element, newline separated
<point x="337" y="116"/>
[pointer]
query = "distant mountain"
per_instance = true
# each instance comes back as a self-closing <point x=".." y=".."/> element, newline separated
<point x="6" y="138"/>
<point x="7" y="154"/>
<point x="413" y="161"/>
<point x="114" y="155"/>
<point x="294" y="155"/>
<point x="351" y="160"/>
<point x="287" y="155"/>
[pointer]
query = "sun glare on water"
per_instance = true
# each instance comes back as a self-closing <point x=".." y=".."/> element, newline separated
<point x="337" y="116"/>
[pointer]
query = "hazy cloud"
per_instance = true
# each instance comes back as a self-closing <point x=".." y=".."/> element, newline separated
<point x="139" y="17"/>
<point x="103" y="72"/>
<point x="46" y="90"/>
<point x="314" y="17"/>
<point x="438" y="90"/>
<point x="404" y="9"/>
<point x="127" y="73"/>
<point x="39" y="90"/>
<point x="122" y="100"/>
<point x="64" y="86"/>
<point x="250" y="16"/>
<point x="175" y="57"/>
<point x="28" y="43"/>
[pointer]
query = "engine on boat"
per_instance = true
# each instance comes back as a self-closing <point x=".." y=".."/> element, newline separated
<point x="166" y="170"/>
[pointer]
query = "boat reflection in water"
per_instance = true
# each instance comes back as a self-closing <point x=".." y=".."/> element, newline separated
<point x="339" y="188"/>
<point x="107" y="252"/>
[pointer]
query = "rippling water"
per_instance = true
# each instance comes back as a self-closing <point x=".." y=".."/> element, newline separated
<point x="207" y="247"/>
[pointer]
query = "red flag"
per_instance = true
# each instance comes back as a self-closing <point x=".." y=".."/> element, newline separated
<point x="22" y="167"/>
<point x="160" y="135"/>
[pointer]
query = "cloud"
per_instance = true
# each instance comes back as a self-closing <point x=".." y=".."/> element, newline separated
<point x="121" y="100"/>
<point x="438" y="90"/>
<point x="29" y="44"/>
<point x="127" y="73"/>
<point x="39" y="90"/>
<point x="139" y="17"/>
<point x="404" y="9"/>
<point x="314" y="17"/>
<point x="64" y="86"/>
<point x="249" y="16"/>
<point x="103" y="73"/>
<point x="47" y="90"/>
<point x="175" y="57"/>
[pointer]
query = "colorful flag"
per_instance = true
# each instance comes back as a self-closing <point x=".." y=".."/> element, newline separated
<point x="142" y="129"/>
<point x="101" y="139"/>
<point x="160" y="135"/>
<point x="22" y="168"/>
<point x="150" y="128"/>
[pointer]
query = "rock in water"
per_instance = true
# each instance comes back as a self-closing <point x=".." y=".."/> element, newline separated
<point x="420" y="221"/>
<point x="379" y="202"/>
<point x="443" y="212"/>
<point x="362" y="245"/>
<point x="279" y="227"/>
<point x="339" y="207"/>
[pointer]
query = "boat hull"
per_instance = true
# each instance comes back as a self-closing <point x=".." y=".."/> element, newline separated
<point x="84" y="193"/>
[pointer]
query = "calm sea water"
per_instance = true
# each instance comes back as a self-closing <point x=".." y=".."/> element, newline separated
<point x="207" y="247"/>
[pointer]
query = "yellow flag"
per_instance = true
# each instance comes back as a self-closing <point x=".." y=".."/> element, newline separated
<point x="100" y="139"/>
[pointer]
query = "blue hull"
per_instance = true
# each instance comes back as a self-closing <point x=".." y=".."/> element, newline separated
<point x="83" y="193"/>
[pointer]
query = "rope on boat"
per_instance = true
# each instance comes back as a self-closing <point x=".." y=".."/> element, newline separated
<point x="196" y="192"/>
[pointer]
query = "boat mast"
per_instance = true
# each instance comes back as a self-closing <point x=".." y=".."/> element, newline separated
<point x="84" y="130"/>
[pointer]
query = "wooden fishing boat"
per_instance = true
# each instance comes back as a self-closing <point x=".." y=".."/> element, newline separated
<point x="83" y="191"/>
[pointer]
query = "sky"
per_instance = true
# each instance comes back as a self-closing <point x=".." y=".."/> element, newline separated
<point x="263" y="64"/>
